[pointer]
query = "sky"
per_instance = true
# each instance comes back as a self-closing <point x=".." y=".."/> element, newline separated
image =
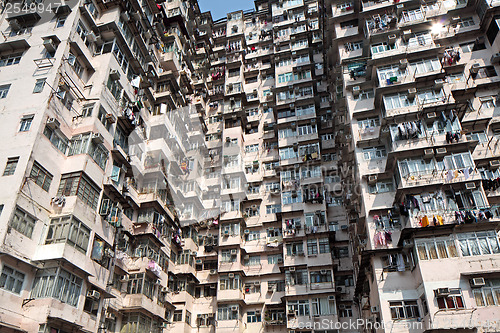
<point x="220" y="8"/>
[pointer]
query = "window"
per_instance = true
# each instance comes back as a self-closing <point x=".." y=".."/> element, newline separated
<point x="91" y="304"/>
<point x="294" y="249"/>
<point x="301" y="308"/>
<point x="23" y="222"/>
<point x="4" y="90"/>
<point x="487" y="102"/>
<point x="438" y="248"/>
<point x="364" y="94"/>
<point x="80" y="185"/>
<point x="322" y="306"/>
<point x="322" y="276"/>
<point x="451" y="300"/>
<point x="478" y="243"/>
<point x="479" y="136"/>
<point x="381" y="187"/>
<point x="374" y="153"/>
<point x="487" y="295"/>
<point x="397" y="101"/>
<point x="177" y="315"/>
<point x="57" y="139"/>
<point x="466" y="22"/>
<point x="39" y="84"/>
<point x="115" y="88"/>
<point x="369" y="123"/>
<point x="40" y="176"/>
<point x="60" y="20"/>
<point x="312" y="247"/>
<point x="226" y="256"/>
<point x="10" y="166"/>
<point x="11" y="279"/>
<point x="75" y="64"/>
<point x="404" y="310"/>
<point x="252" y="148"/>
<point x="87" y="110"/>
<point x="345" y="310"/>
<point x="227" y="312"/>
<point x="26" y="123"/>
<point x="70" y="230"/>
<point x="57" y="283"/>
<point x="253" y="317"/>
<point x="253" y="261"/>
<point x="9" y="60"/>
<point x="188" y="318"/>
<point x="85" y="144"/>
<point x="324" y="245"/>
<point x="274" y="258"/>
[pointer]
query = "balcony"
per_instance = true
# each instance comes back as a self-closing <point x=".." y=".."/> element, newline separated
<point x="436" y="177"/>
<point x="141" y="301"/>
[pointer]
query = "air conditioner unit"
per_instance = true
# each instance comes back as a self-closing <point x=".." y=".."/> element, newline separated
<point x="344" y="228"/>
<point x="470" y="186"/>
<point x="477" y="282"/>
<point x="125" y="16"/>
<point x="341" y="306"/>
<point x="438" y="84"/>
<point x="495" y="59"/>
<point x="270" y="287"/>
<point x="356" y="90"/>
<point x="247" y="231"/>
<point x="403" y="63"/>
<point x="440" y="151"/>
<point x="374" y="309"/>
<point x="213" y="271"/>
<point x="474" y="68"/>
<point x="230" y="275"/>
<point x="246" y="257"/>
<point x="199" y="261"/>
<point x="494" y="164"/>
<point x="225" y="233"/>
<point x="256" y="283"/>
<point x="114" y="74"/>
<point x="322" y="272"/>
<point x="234" y="308"/>
<point x="407" y="34"/>
<point x="280" y="260"/>
<point x="291" y="269"/>
<point x="93" y="294"/>
<point x="391" y="39"/>
<point x="331" y="298"/>
<point x="91" y="37"/>
<point x="53" y="123"/>
<point x="442" y="292"/>
<point x="49" y="45"/>
<point x="412" y="92"/>
<point x="372" y="179"/>
<point x="341" y="289"/>
<point x="428" y="153"/>
<point x="431" y="115"/>
<point x="407" y="243"/>
<point x="124" y="278"/>
<point x="97" y="138"/>
<point x="234" y="252"/>
<point x="110" y="118"/>
<point x="14" y="24"/>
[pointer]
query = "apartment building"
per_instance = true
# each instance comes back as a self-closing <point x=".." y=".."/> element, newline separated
<point x="167" y="172"/>
<point x="416" y="90"/>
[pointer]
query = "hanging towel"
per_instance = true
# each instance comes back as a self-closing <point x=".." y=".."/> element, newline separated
<point x="449" y="176"/>
<point x="425" y="221"/>
<point x="466" y="173"/>
<point x="400" y="263"/>
<point x="439" y="220"/>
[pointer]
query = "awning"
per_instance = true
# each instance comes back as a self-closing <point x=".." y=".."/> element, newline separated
<point x="12" y="327"/>
<point x="14" y="45"/>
